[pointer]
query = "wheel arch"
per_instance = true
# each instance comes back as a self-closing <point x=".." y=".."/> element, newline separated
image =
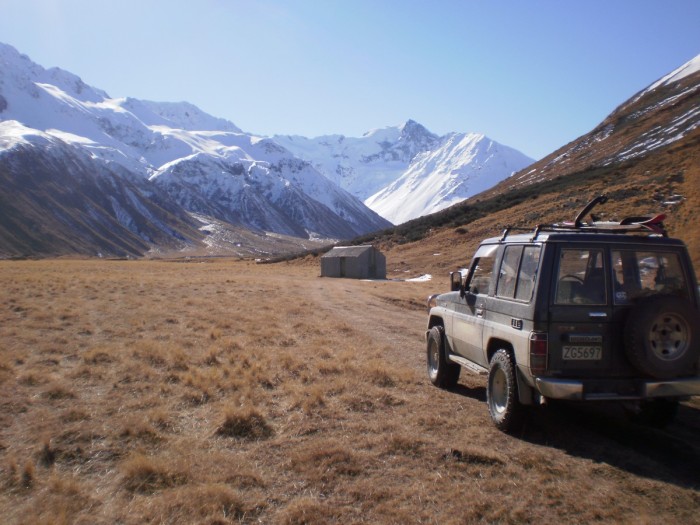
<point x="495" y="344"/>
<point x="436" y="320"/>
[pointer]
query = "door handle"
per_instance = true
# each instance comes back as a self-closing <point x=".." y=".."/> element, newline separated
<point x="597" y="315"/>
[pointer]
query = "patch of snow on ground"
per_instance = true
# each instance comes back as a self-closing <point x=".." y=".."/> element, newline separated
<point x="421" y="279"/>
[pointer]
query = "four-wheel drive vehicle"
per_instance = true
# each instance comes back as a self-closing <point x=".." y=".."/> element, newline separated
<point x="574" y="311"/>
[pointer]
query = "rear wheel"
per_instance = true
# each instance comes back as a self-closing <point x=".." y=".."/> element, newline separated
<point x="441" y="372"/>
<point x="502" y="393"/>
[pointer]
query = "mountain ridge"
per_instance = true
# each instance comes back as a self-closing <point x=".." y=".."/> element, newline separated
<point x="386" y="167"/>
<point x="150" y="140"/>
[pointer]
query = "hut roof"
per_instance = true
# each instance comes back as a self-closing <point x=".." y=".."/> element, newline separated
<point x="347" y="251"/>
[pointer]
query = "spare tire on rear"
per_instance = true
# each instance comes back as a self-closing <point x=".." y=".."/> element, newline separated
<point x="662" y="337"/>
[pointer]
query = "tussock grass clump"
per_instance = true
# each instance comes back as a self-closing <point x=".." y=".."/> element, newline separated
<point x="134" y="428"/>
<point x="74" y="414"/>
<point x="381" y="378"/>
<point x="405" y="445"/>
<point x="306" y="511"/>
<point x="325" y="462"/>
<point x="472" y="457"/>
<point x="47" y="454"/>
<point x="57" y="391"/>
<point x="98" y="356"/>
<point x="213" y="503"/>
<point x="5" y="370"/>
<point x="59" y="502"/>
<point x="151" y="352"/>
<point x="31" y="379"/>
<point x="145" y="475"/>
<point x="22" y="478"/>
<point x="245" y="424"/>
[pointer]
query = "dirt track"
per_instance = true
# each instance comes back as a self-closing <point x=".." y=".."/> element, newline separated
<point x="388" y="311"/>
<point x="394" y="313"/>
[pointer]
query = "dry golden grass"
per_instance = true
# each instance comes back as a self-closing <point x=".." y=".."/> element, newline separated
<point x="225" y="392"/>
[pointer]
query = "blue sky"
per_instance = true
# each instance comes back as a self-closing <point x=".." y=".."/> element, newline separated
<point x="531" y="74"/>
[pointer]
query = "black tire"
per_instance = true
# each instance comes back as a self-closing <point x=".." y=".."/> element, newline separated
<point x="662" y="337"/>
<point x="441" y="372"/>
<point x="657" y="413"/>
<point x="502" y="393"/>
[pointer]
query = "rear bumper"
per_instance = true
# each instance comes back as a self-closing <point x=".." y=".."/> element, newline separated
<point x="617" y="390"/>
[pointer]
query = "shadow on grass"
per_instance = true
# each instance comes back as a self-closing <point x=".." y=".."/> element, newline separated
<point x="478" y="393"/>
<point x="603" y="433"/>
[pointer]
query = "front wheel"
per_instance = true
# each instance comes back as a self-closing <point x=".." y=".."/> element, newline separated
<point x="441" y="372"/>
<point x="502" y="393"/>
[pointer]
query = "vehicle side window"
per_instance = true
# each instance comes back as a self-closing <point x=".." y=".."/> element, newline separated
<point x="581" y="277"/>
<point x="529" y="265"/>
<point x="518" y="271"/>
<point x="509" y="270"/>
<point x="480" y="281"/>
<point x="642" y="273"/>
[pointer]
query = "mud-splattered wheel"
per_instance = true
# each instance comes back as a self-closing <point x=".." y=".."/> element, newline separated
<point x="441" y="372"/>
<point x="502" y="393"/>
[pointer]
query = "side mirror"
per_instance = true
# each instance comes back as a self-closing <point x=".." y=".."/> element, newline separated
<point x="455" y="281"/>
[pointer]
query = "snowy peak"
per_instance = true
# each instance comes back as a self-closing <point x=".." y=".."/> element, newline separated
<point x="689" y="68"/>
<point x="462" y="165"/>
<point x="402" y="172"/>
<point x="416" y="134"/>
<point x="400" y="143"/>
<point x="363" y="165"/>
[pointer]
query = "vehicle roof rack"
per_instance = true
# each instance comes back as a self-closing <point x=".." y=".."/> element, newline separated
<point x="649" y="225"/>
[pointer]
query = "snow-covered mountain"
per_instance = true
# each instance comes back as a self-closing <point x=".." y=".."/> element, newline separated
<point x="461" y="165"/>
<point x="363" y="165"/>
<point x="56" y="199"/>
<point x="205" y="164"/>
<point x="405" y="171"/>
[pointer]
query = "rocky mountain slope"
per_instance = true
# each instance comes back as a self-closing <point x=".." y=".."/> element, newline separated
<point x="167" y="151"/>
<point x="55" y="199"/>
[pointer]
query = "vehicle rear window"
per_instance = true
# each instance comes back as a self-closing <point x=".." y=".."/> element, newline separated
<point x="581" y="277"/>
<point x="641" y="273"/>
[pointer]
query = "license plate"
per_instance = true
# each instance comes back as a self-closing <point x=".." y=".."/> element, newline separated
<point x="582" y="353"/>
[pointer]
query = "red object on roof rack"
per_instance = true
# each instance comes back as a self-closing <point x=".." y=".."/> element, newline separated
<point x="648" y="224"/>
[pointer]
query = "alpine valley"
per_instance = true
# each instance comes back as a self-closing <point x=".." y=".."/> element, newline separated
<point x="84" y="173"/>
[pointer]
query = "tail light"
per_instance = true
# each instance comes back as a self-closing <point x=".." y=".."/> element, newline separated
<point x="538" y="353"/>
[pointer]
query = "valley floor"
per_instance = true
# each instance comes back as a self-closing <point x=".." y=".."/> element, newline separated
<point x="221" y="391"/>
